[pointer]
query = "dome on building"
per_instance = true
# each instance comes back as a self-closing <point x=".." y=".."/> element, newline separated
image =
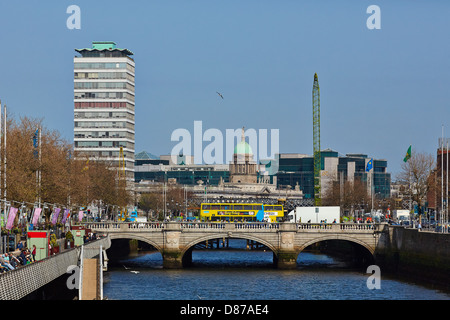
<point x="243" y="148"/>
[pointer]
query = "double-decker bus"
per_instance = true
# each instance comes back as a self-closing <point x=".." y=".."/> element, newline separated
<point x="241" y="212"/>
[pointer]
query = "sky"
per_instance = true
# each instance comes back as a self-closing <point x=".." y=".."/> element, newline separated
<point x="381" y="90"/>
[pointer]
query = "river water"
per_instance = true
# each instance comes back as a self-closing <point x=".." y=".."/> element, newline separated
<point x="233" y="274"/>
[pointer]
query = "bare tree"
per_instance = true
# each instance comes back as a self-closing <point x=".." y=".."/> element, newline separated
<point x="350" y="196"/>
<point x="416" y="174"/>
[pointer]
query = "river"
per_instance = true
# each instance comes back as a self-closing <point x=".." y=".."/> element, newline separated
<point x="232" y="274"/>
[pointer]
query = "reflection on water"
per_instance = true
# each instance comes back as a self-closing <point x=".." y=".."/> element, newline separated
<point x="249" y="275"/>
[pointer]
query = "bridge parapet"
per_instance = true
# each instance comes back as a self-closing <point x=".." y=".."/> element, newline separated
<point x="108" y="227"/>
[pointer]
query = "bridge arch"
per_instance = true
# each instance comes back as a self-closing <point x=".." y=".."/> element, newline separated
<point x="134" y="236"/>
<point x="190" y="245"/>
<point x="339" y="237"/>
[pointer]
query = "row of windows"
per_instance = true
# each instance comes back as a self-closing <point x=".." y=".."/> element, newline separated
<point x="104" y="75"/>
<point x="104" y="144"/>
<point x="103" y="54"/>
<point x="103" y="65"/>
<point x="104" y="95"/>
<point x="104" y="124"/>
<point x="241" y="207"/>
<point x="231" y="207"/>
<point x="106" y="105"/>
<point x="103" y="115"/>
<point x="105" y="134"/>
<point x="111" y="154"/>
<point x="103" y="85"/>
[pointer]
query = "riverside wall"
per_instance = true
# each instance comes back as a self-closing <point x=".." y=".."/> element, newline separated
<point x="418" y="255"/>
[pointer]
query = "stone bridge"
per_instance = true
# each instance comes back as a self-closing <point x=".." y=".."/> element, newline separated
<point x="176" y="240"/>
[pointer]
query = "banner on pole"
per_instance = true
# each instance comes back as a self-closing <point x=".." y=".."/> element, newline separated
<point x="37" y="213"/>
<point x="55" y="216"/>
<point x="80" y="215"/>
<point x="66" y="214"/>
<point x="11" y="217"/>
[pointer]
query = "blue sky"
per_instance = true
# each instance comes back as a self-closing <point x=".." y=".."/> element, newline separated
<point x="381" y="90"/>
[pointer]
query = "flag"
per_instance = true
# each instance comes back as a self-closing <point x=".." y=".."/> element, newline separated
<point x="369" y="165"/>
<point x="36" y="143"/>
<point x="55" y="215"/>
<point x="408" y="154"/>
<point x="37" y="213"/>
<point x="11" y="217"/>
<point x="66" y="214"/>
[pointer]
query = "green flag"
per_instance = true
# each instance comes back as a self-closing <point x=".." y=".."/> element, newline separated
<point x="408" y="154"/>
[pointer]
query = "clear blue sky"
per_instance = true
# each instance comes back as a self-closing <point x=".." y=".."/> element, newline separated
<point x="381" y="90"/>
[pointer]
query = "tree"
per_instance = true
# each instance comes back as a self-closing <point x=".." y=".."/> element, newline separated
<point x="351" y="195"/>
<point x="43" y="167"/>
<point x="416" y="174"/>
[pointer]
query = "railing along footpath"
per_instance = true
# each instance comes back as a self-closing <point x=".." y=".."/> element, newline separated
<point x="107" y="227"/>
<point x="18" y="283"/>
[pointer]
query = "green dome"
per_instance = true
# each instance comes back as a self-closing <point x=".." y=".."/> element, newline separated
<point x="243" y="148"/>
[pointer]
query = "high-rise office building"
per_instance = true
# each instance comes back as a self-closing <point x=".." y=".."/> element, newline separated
<point x="104" y="105"/>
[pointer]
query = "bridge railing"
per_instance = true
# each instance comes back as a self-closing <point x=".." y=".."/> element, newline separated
<point x="337" y="227"/>
<point x="160" y="226"/>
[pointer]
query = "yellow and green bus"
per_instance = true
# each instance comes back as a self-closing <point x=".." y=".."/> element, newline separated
<point x="241" y="212"/>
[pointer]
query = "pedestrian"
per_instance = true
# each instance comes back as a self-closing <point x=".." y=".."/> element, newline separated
<point x="33" y="253"/>
<point x="5" y="262"/>
<point x="23" y="257"/>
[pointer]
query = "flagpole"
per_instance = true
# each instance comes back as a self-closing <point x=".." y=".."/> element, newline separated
<point x="1" y="153"/>
<point x="442" y="174"/>
<point x="446" y="194"/>
<point x="371" y="186"/>
<point x="4" y="158"/>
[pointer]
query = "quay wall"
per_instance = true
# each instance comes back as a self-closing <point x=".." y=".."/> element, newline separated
<point x="414" y="254"/>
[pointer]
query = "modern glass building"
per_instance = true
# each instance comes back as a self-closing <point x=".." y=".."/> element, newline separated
<point x="104" y="105"/>
<point x="298" y="169"/>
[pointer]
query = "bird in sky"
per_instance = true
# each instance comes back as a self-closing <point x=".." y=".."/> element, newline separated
<point x="219" y="94"/>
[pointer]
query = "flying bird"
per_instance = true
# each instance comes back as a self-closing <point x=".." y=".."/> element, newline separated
<point x="219" y="94"/>
<point x="135" y="272"/>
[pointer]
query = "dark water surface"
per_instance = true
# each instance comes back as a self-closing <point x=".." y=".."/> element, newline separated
<point x="249" y="275"/>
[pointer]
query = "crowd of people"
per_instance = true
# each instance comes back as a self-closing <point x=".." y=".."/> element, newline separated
<point x="11" y="261"/>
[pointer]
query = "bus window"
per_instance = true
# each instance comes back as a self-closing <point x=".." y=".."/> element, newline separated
<point x="257" y="207"/>
<point x="215" y="207"/>
<point x="278" y="208"/>
<point x="248" y="207"/>
<point x="205" y="206"/>
<point x="267" y="207"/>
<point x="238" y="207"/>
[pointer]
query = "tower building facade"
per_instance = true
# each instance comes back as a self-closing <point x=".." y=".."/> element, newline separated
<point x="104" y="105"/>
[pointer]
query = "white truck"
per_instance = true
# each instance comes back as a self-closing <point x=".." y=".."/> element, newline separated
<point x="400" y="215"/>
<point x="315" y="215"/>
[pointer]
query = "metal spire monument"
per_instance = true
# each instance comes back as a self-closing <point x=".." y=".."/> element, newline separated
<point x="316" y="139"/>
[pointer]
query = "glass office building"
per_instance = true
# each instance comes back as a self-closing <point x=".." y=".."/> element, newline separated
<point x="104" y="95"/>
<point x="298" y="169"/>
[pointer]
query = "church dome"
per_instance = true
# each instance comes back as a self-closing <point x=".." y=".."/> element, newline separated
<point x="243" y="148"/>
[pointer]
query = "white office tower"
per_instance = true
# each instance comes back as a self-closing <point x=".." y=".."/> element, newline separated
<point x="104" y="106"/>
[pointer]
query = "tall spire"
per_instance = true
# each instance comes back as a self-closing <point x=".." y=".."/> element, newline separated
<point x="243" y="134"/>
